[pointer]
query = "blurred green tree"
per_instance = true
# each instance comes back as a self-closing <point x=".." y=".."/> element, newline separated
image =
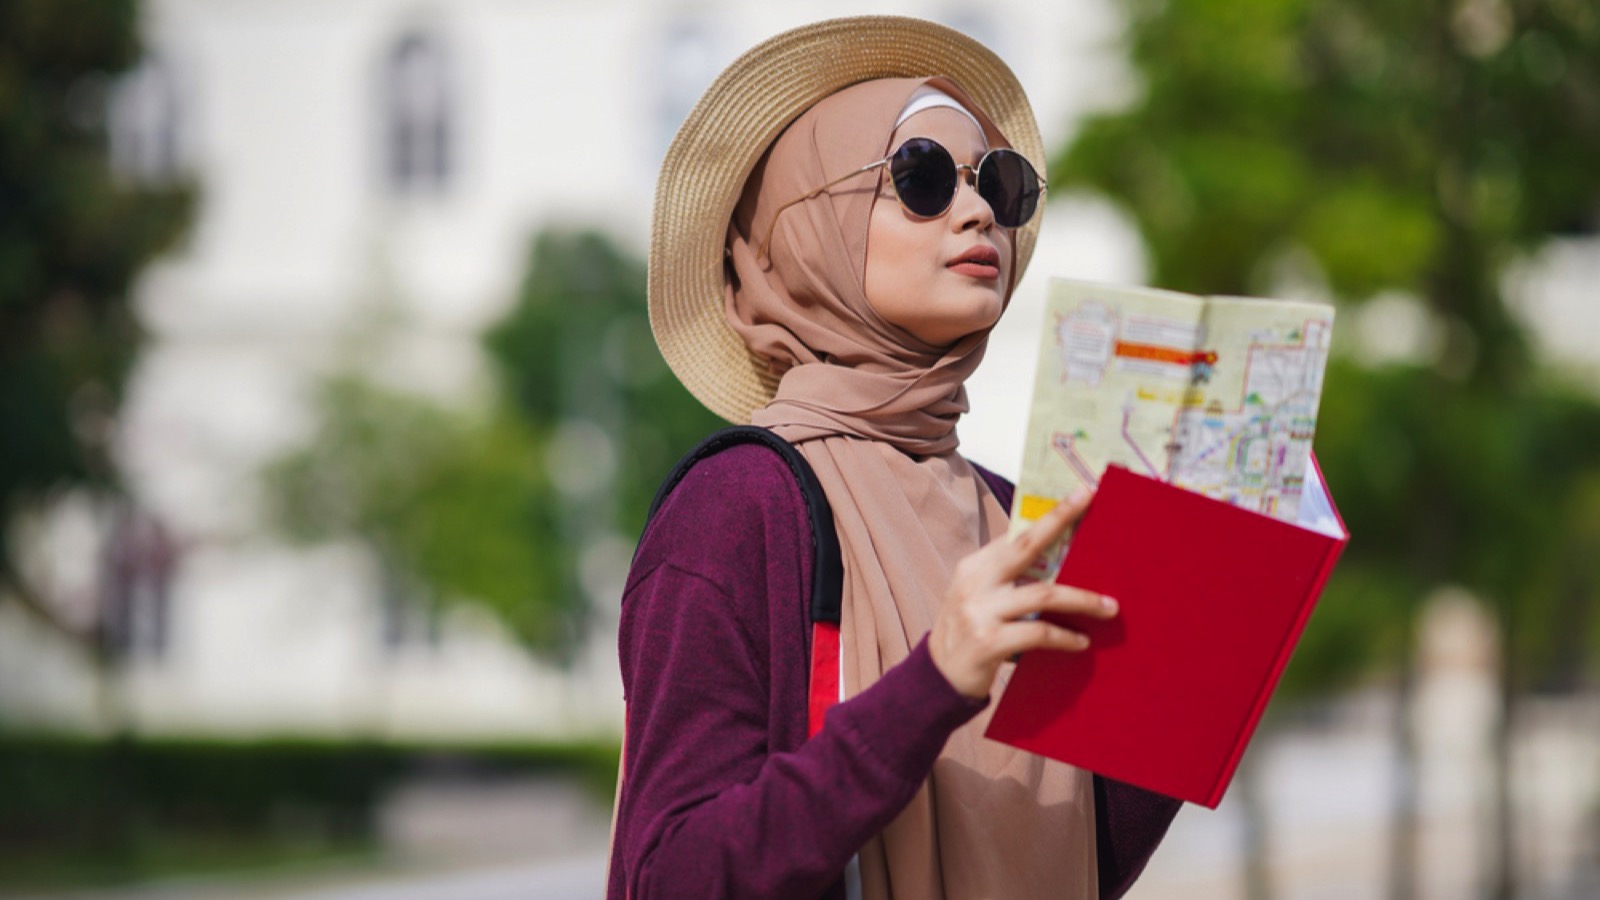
<point x="508" y="507"/>
<point x="452" y="504"/>
<point x="576" y="352"/>
<point x="1414" y="147"/>
<point x="73" y="237"/>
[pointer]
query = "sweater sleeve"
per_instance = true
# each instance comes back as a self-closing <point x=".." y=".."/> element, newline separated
<point x="1129" y="824"/>
<point x="1129" y="821"/>
<point x="723" y="795"/>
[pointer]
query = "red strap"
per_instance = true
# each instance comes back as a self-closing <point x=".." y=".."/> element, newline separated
<point x="824" y="672"/>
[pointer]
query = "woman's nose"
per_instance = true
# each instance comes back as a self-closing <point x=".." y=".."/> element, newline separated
<point x="969" y="209"/>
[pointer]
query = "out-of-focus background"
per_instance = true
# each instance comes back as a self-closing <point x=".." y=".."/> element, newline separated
<point x="329" y="413"/>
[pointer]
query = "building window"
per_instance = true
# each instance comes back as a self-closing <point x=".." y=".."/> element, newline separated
<point x="419" y="121"/>
<point x="143" y="119"/>
<point x="408" y="616"/>
<point x="140" y="561"/>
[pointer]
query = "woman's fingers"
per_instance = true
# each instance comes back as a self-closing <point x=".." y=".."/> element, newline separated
<point x="1003" y="561"/>
<point x="1016" y="555"/>
<point x="1035" y="634"/>
<point x="1048" y="597"/>
<point x="987" y="617"/>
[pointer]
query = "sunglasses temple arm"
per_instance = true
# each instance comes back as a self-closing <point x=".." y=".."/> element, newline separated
<point x="761" y="252"/>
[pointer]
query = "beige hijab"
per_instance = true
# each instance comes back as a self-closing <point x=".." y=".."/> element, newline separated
<point x="874" y="411"/>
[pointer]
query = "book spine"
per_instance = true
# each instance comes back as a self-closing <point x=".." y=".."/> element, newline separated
<point x="1308" y="603"/>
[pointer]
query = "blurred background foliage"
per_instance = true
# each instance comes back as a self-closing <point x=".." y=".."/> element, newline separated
<point x="1358" y="148"/>
<point x="81" y="813"/>
<point x="72" y="238"/>
<point x="449" y="503"/>
<point x="501" y="506"/>
<point x="1363" y="148"/>
<point x="576" y="350"/>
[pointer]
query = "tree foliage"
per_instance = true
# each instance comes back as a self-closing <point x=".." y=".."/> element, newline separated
<point x="505" y="506"/>
<point x="578" y="347"/>
<point x="72" y="239"/>
<point x="1372" y="146"/>
<point x="454" y="505"/>
<point x="1417" y="148"/>
<point x="1387" y="139"/>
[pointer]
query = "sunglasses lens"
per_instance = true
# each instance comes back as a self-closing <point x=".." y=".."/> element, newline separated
<point x="924" y="176"/>
<point x="1008" y="182"/>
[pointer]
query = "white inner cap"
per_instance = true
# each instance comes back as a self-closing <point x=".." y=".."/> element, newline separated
<point x="924" y="98"/>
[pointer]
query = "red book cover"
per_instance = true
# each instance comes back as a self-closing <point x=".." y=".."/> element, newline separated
<point x="1212" y="601"/>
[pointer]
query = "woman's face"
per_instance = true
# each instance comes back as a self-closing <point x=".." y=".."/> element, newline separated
<point x="943" y="278"/>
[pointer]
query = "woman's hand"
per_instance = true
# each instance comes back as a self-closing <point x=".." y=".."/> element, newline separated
<point x="986" y="617"/>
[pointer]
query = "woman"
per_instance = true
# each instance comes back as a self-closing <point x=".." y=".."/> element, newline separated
<point x="838" y="226"/>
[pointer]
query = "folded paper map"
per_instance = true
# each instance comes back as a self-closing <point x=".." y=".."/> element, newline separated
<point x="1217" y="395"/>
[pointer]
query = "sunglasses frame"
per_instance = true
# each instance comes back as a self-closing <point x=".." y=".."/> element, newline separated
<point x="761" y="252"/>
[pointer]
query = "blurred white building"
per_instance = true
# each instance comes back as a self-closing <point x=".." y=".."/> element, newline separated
<point x="367" y="152"/>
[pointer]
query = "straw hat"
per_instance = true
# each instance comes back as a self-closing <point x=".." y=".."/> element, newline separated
<point x="723" y="138"/>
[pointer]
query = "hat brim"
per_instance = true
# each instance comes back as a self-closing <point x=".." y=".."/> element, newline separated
<point x="723" y="138"/>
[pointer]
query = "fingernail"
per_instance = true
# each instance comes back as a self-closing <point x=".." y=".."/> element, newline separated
<point x="1078" y="496"/>
<point x="1108" y="604"/>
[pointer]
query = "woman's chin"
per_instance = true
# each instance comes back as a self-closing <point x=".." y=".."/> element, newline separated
<point x="953" y="331"/>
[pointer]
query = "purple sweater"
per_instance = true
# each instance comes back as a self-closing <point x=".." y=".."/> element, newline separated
<point x="724" y="796"/>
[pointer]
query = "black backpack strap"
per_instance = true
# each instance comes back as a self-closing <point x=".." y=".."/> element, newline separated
<point x="827" y="571"/>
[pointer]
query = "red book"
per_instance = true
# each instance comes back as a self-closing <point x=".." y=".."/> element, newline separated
<point x="1212" y="601"/>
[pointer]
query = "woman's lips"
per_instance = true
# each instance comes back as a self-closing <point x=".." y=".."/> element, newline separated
<point x="979" y="262"/>
<point x="976" y="270"/>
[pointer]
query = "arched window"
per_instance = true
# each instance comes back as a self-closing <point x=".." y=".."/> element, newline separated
<point x="142" y="120"/>
<point x="139" y="564"/>
<point x="408" y="614"/>
<point x="418" y="115"/>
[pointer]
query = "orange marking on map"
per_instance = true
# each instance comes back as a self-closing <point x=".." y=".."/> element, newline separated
<point x="1171" y="355"/>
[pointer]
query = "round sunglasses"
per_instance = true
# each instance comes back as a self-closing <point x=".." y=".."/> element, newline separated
<point x="926" y="177"/>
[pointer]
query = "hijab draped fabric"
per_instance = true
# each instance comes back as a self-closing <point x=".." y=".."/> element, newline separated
<point x="874" y="411"/>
